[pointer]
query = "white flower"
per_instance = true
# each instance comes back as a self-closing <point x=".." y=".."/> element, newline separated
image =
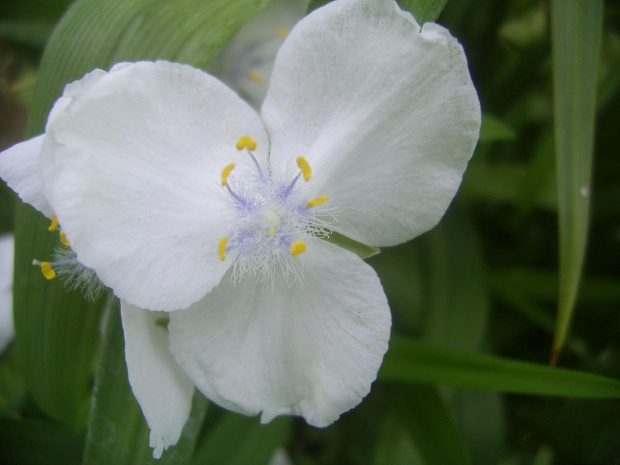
<point x="7" y="332"/>
<point x="184" y="200"/>
<point x="246" y="63"/>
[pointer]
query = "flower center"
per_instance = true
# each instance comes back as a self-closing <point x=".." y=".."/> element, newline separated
<point x="272" y="219"/>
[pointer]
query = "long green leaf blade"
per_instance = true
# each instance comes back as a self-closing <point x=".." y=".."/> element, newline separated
<point x="576" y="37"/>
<point x="413" y="361"/>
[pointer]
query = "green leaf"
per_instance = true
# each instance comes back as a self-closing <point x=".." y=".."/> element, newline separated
<point x="57" y="332"/>
<point x="493" y="130"/>
<point x="479" y="415"/>
<point x="576" y="36"/>
<point x="414" y="361"/>
<point x="117" y="431"/>
<point x="425" y="415"/>
<point x="33" y="32"/>
<point x="543" y="285"/>
<point x="361" y="250"/>
<point x="314" y="4"/>
<point x="38" y="442"/>
<point x="457" y="318"/>
<point x="394" y="445"/>
<point x="540" y="174"/>
<point x="238" y="440"/>
<point x="503" y="182"/>
<point x="423" y="10"/>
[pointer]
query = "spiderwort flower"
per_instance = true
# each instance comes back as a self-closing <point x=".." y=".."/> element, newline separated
<point x="183" y="200"/>
<point x="245" y="64"/>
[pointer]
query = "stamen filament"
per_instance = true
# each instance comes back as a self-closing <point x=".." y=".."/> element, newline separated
<point x="304" y="166"/>
<point x="54" y="224"/>
<point x="260" y="171"/>
<point x="221" y="248"/>
<point x="237" y="198"/>
<point x="289" y="189"/>
<point x="318" y="201"/>
<point x="297" y="248"/>
<point x="226" y="172"/>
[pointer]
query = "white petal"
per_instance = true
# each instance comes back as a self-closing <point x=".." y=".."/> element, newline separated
<point x="311" y="350"/>
<point x="7" y="331"/>
<point x="163" y="391"/>
<point x="20" y="168"/>
<point x="246" y="62"/>
<point x="135" y="179"/>
<point x="385" y="113"/>
<point x="72" y="92"/>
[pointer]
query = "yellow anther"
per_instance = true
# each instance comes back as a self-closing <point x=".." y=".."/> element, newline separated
<point x="64" y="240"/>
<point x="317" y="201"/>
<point x="304" y="166"/>
<point x="226" y="172"/>
<point x="257" y="78"/>
<point x="282" y="32"/>
<point x="54" y="224"/>
<point x="47" y="270"/>
<point x="297" y="248"/>
<point x="221" y="248"/>
<point x="246" y="142"/>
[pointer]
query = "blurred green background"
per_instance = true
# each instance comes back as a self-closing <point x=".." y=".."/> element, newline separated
<point x="471" y="299"/>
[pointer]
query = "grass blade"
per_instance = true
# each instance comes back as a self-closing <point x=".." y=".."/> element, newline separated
<point x="576" y="37"/>
<point x="414" y="361"/>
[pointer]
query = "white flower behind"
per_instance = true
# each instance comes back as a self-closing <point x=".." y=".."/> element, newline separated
<point x="246" y="63"/>
<point x="182" y="199"/>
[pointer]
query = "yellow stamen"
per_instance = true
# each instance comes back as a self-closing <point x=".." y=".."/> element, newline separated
<point x="282" y="32"/>
<point x="48" y="272"/>
<point x="54" y="224"/>
<point x="271" y="232"/>
<point x="257" y="78"/>
<point x="246" y="142"/>
<point x="221" y="248"/>
<point x="226" y="172"/>
<point x="297" y="248"/>
<point x="317" y="201"/>
<point x="304" y="166"/>
<point x="64" y="240"/>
